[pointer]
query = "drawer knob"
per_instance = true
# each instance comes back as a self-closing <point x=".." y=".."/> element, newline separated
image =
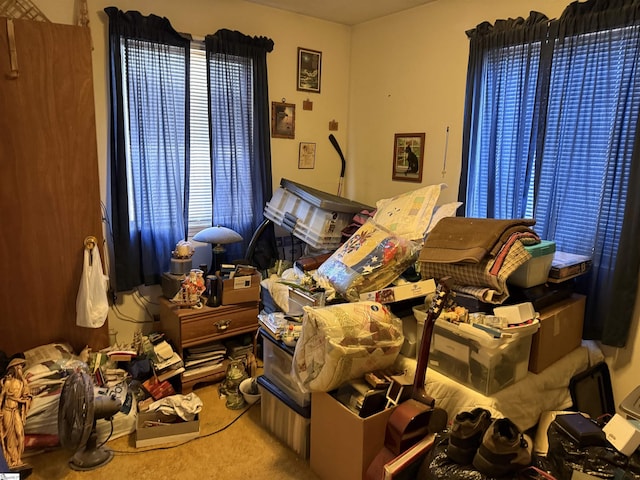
<point x="223" y="324"/>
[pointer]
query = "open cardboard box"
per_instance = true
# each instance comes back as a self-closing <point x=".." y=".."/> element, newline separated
<point x="342" y="443"/>
<point x="152" y="429"/>
<point x="241" y="289"/>
<point x="560" y="332"/>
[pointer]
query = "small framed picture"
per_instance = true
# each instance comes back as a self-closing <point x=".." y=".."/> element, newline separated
<point x="283" y="120"/>
<point x="307" y="155"/>
<point x="309" y="70"/>
<point x="408" y="156"/>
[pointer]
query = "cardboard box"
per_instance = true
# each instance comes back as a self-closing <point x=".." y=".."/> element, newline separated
<point x="401" y="292"/>
<point x="152" y="429"/>
<point x="241" y="289"/>
<point x="560" y="332"/>
<point x="342" y="443"/>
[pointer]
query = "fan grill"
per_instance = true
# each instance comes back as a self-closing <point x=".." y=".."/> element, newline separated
<point x="21" y="9"/>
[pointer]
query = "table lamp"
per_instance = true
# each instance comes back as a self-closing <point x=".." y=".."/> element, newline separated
<point x="218" y="237"/>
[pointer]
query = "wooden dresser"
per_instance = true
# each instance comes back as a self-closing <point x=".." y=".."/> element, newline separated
<point x="190" y="327"/>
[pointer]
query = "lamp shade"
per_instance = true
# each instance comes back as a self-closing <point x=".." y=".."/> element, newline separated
<point x="217" y="235"/>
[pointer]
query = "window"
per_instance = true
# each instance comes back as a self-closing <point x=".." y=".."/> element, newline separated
<point x="200" y="205"/>
<point x="550" y="130"/>
<point x="189" y="145"/>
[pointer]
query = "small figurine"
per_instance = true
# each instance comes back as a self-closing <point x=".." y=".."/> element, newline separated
<point x="15" y="400"/>
<point x="192" y="287"/>
<point x="183" y="250"/>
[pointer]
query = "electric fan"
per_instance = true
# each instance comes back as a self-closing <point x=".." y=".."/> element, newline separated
<point x="78" y="411"/>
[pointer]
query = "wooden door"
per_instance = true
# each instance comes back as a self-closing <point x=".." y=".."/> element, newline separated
<point x="49" y="187"/>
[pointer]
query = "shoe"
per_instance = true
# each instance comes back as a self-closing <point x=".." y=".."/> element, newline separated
<point x="466" y="434"/>
<point x="504" y="449"/>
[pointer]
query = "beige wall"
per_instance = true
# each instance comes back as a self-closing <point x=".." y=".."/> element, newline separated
<point x="288" y="31"/>
<point x="404" y="73"/>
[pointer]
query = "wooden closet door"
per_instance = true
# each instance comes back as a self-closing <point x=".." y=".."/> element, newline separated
<point x="49" y="187"/>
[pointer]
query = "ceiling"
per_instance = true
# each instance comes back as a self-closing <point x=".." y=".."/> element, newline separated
<point x="347" y="12"/>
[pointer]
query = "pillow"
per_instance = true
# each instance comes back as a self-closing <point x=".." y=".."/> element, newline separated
<point x="408" y="214"/>
<point x="342" y="342"/>
<point x="442" y="211"/>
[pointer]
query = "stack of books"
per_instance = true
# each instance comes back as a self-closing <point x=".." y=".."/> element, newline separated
<point x="204" y="360"/>
<point x="167" y="363"/>
<point x="239" y="351"/>
<point x="169" y="368"/>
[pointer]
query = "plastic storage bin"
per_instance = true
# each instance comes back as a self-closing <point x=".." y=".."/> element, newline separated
<point x="315" y="217"/>
<point x="475" y="359"/>
<point x="277" y="359"/>
<point x="536" y="270"/>
<point x="283" y="418"/>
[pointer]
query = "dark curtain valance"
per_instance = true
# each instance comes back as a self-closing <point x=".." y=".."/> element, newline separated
<point x="133" y="24"/>
<point x="235" y="43"/>
<point x="512" y="31"/>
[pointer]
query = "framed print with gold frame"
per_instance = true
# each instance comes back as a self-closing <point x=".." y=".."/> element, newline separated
<point x="408" y="157"/>
<point x="283" y="120"/>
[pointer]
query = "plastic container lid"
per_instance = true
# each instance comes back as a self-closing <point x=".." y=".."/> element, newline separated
<point x="631" y="404"/>
<point x="545" y="247"/>
<point x="323" y="200"/>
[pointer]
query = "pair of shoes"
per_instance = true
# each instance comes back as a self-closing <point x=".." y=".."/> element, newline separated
<point x="504" y="449"/>
<point x="493" y="447"/>
<point x="466" y="434"/>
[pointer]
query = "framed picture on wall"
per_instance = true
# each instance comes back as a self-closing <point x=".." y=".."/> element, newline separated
<point x="309" y="70"/>
<point x="283" y="120"/>
<point x="307" y="155"/>
<point x="408" y="156"/>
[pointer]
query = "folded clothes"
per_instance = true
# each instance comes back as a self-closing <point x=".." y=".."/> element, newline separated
<point x="470" y="240"/>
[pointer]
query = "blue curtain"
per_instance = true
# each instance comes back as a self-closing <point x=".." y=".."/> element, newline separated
<point x="149" y="67"/>
<point x="551" y="120"/>
<point x="240" y="141"/>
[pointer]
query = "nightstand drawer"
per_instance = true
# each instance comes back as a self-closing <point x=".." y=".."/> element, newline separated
<point x="197" y="329"/>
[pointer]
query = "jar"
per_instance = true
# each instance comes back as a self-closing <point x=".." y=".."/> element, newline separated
<point x="235" y="374"/>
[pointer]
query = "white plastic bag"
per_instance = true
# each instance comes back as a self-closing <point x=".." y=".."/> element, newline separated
<point x="92" y="305"/>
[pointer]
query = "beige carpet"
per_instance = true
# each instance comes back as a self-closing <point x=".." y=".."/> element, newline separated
<point x="242" y="450"/>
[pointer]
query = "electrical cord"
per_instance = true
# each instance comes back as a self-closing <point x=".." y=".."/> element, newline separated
<point x="126" y="318"/>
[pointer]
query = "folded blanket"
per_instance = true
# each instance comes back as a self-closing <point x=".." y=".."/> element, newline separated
<point x="481" y="279"/>
<point x="469" y="240"/>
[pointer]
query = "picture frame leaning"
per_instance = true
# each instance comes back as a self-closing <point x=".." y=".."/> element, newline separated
<point x="408" y="157"/>
<point x="309" y="70"/>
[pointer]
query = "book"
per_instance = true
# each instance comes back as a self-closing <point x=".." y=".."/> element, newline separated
<point x="201" y="361"/>
<point x="406" y="465"/>
<point x="171" y="363"/>
<point x="172" y="372"/>
<point x="204" y="370"/>
<point x="565" y="266"/>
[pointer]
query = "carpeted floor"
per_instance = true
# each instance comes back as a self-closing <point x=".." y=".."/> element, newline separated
<point x="225" y="449"/>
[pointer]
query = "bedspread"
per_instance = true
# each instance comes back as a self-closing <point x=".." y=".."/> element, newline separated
<point x="524" y="401"/>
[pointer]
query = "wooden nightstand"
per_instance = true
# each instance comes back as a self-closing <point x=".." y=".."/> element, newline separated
<point x="190" y="327"/>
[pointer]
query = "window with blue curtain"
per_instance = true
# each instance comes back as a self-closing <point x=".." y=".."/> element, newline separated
<point x="551" y="126"/>
<point x="172" y="172"/>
